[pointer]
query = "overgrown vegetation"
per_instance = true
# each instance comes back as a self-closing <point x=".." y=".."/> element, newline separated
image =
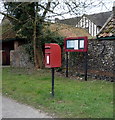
<point x="46" y="37"/>
<point x="73" y="98"/>
<point x="51" y="37"/>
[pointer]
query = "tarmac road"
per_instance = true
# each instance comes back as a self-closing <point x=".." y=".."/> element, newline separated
<point x="13" y="109"/>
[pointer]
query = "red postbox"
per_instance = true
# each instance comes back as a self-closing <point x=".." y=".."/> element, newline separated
<point x="52" y="55"/>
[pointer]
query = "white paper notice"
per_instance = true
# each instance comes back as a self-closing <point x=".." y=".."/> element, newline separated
<point x="48" y="59"/>
<point x="70" y="44"/>
<point x="81" y="44"/>
<point x="76" y="45"/>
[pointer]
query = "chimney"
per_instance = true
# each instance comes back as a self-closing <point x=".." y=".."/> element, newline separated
<point x="56" y="20"/>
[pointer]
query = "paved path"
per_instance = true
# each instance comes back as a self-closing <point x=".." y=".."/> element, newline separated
<point x="12" y="109"/>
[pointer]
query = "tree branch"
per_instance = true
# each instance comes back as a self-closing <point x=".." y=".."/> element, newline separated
<point x="10" y="17"/>
<point x="46" y="10"/>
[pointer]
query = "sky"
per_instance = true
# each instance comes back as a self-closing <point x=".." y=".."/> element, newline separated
<point x="100" y="6"/>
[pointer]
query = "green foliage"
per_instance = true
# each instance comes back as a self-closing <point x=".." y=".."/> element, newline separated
<point x="51" y="37"/>
<point x="45" y="37"/>
<point x="25" y="13"/>
<point x="29" y="50"/>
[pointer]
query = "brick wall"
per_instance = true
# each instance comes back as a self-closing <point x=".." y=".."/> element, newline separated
<point x="19" y="58"/>
<point x="100" y="60"/>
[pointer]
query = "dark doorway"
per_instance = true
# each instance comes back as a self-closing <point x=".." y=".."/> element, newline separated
<point x="6" y="47"/>
<point x="5" y="57"/>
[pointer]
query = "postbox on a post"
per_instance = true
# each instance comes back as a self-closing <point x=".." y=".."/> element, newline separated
<point x="52" y="55"/>
<point x="52" y="59"/>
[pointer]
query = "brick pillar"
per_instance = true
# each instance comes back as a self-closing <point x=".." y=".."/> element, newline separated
<point x="16" y="44"/>
<point x="11" y="57"/>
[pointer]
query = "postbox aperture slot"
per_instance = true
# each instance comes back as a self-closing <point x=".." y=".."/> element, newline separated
<point x="47" y="47"/>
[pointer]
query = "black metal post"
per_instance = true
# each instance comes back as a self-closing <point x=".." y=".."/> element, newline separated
<point x="86" y="66"/>
<point x="53" y="82"/>
<point x="66" y="64"/>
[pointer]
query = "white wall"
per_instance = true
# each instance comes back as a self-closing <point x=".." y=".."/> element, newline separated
<point x="89" y="25"/>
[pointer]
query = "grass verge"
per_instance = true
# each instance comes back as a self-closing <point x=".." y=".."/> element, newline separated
<point x="73" y="98"/>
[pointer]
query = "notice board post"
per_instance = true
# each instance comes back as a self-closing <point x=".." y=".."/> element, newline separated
<point x="76" y="44"/>
<point x="85" y="65"/>
<point x="66" y="64"/>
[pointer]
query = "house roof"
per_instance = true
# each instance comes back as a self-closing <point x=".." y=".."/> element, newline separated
<point x="7" y="31"/>
<point x="99" y="19"/>
<point x="108" y="28"/>
<point x="68" y="30"/>
<point x="69" y="21"/>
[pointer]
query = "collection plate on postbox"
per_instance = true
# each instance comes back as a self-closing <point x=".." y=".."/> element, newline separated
<point x="76" y="44"/>
<point x="52" y="55"/>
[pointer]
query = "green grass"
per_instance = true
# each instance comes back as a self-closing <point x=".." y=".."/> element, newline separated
<point x="73" y="98"/>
